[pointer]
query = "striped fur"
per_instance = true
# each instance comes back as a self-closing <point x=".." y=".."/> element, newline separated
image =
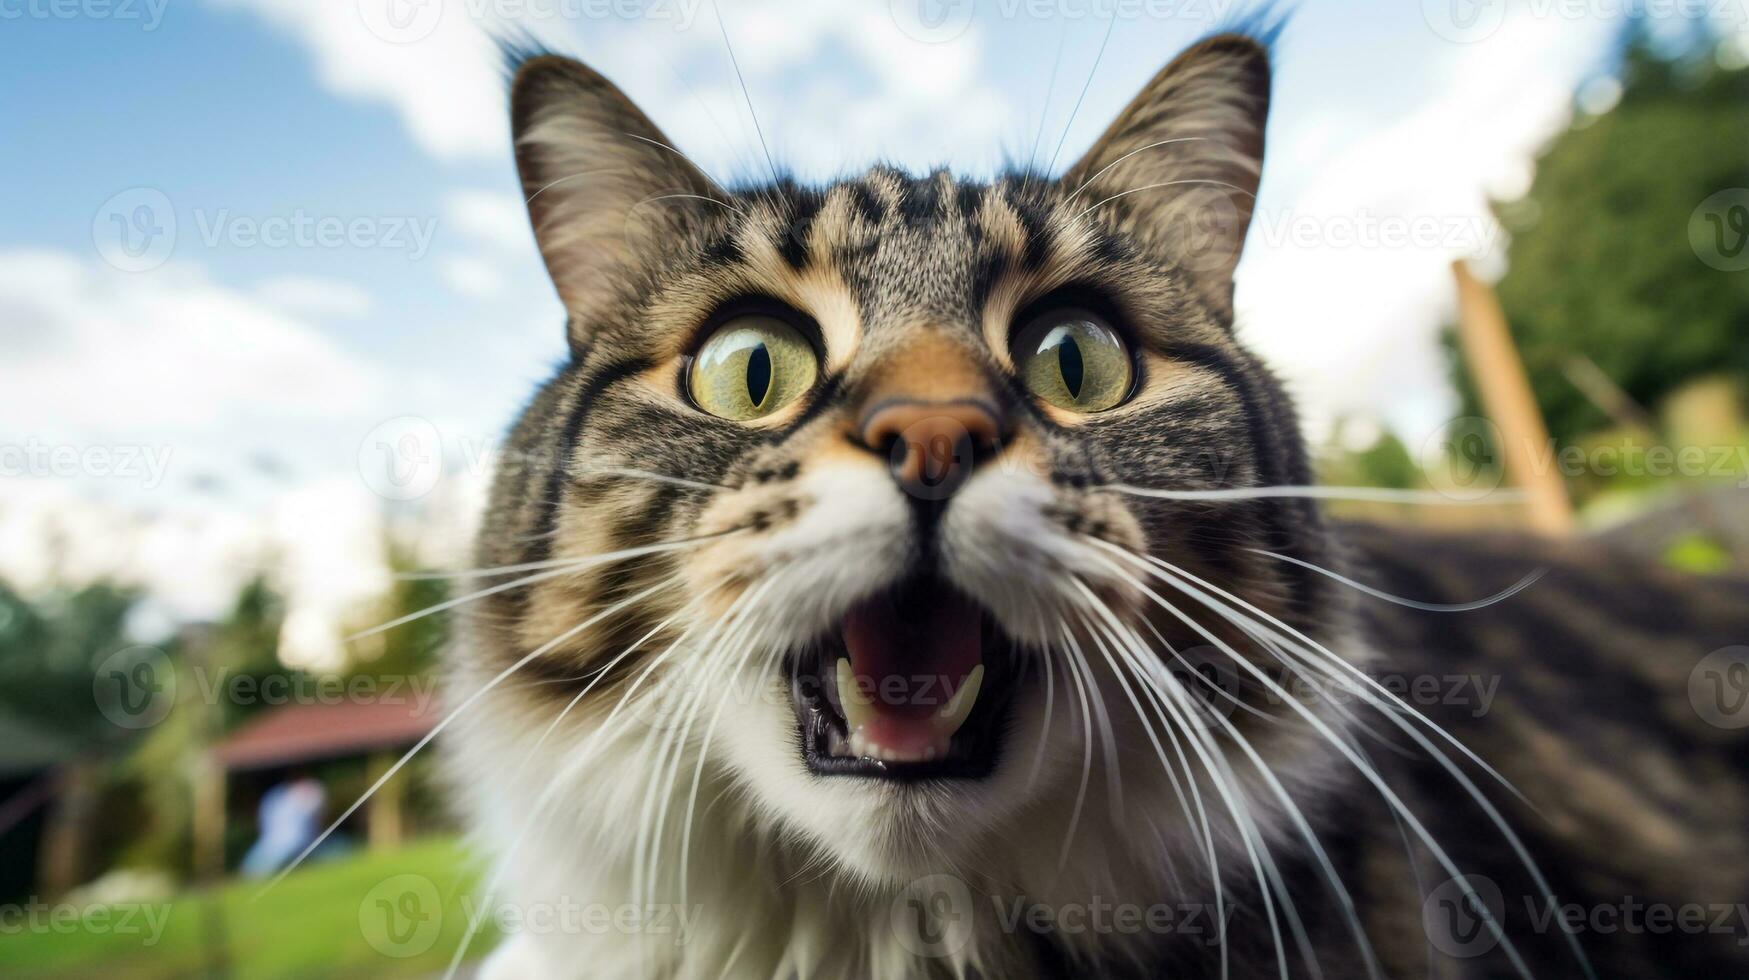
<point x="587" y="787"/>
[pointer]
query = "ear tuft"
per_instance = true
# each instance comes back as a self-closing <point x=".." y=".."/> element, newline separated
<point x="604" y="187"/>
<point x="1185" y="157"/>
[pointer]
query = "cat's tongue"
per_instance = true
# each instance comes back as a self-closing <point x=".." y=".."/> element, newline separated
<point x="913" y="672"/>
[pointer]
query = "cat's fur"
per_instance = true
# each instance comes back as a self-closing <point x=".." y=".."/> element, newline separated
<point x="668" y="775"/>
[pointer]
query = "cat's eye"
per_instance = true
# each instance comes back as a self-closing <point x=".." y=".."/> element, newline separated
<point x="751" y="366"/>
<point x="1073" y="359"/>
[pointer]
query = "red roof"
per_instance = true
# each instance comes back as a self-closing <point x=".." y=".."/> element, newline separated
<point x="297" y="733"/>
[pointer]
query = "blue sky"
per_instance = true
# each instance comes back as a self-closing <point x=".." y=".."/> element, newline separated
<point x="264" y="369"/>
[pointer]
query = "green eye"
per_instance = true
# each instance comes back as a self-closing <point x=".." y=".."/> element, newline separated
<point x="1073" y="360"/>
<point x="752" y="366"/>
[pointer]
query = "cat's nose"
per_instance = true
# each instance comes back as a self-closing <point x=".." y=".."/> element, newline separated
<point x="932" y="446"/>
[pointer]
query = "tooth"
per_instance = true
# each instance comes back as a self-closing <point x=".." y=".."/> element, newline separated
<point x="856" y="704"/>
<point x="959" y="707"/>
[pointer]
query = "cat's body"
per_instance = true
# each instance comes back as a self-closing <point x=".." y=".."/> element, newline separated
<point x="997" y="444"/>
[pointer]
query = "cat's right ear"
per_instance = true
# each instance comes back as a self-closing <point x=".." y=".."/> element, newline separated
<point x="602" y="184"/>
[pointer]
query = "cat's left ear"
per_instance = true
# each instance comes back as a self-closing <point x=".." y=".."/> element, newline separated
<point x="605" y="191"/>
<point x="1184" y="160"/>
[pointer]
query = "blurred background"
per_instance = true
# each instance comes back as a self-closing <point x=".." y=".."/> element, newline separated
<point x="268" y="300"/>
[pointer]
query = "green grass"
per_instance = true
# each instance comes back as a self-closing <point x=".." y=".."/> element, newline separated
<point x="367" y="916"/>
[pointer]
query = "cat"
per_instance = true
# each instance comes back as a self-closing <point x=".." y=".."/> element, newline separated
<point x="915" y="577"/>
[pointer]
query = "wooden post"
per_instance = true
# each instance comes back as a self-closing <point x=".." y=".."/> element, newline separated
<point x="1498" y="373"/>
<point x="386" y="811"/>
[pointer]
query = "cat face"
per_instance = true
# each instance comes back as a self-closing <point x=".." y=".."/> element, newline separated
<point x="865" y="454"/>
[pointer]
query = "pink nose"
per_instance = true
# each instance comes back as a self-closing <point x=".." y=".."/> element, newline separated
<point x="932" y="446"/>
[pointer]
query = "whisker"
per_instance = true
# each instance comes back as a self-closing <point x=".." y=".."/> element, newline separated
<point x="1165" y="183"/>
<point x="491" y="889"/>
<point x="1107" y="168"/>
<point x="745" y="95"/>
<point x="1045" y="113"/>
<point x="567" y="567"/>
<point x="1292" y="809"/>
<point x="1365" y="770"/>
<point x="444" y="723"/>
<point x="670" y="149"/>
<point x="1439" y="607"/>
<point x="654" y="477"/>
<point x="1086" y="754"/>
<point x="1383" y="495"/>
<point x="689" y="197"/>
<point x="1110" y="26"/>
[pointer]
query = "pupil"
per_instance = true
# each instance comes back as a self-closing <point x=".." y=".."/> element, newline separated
<point x="1069" y="362"/>
<point x="759" y="375"/>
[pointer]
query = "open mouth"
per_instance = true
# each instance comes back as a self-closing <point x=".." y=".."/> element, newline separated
<point x="916" y="684"/>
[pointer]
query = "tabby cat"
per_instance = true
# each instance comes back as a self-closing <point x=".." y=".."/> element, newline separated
<point x="915" y="577"/>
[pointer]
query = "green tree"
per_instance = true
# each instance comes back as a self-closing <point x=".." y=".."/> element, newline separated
<point x="1600" y="261"/>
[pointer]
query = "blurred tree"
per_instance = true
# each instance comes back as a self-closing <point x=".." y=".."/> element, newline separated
<point x="1600" y="256"/>
<point x="50" y="651"/>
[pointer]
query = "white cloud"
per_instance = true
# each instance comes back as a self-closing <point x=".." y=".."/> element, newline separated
<point x="1352" y="327"/>
<point x="472" y="276"/>
<point x="493" y="217"/>
<point x="315" y="297"/>
<point x="166" y="353"/>
<point x="430" y="61"/>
